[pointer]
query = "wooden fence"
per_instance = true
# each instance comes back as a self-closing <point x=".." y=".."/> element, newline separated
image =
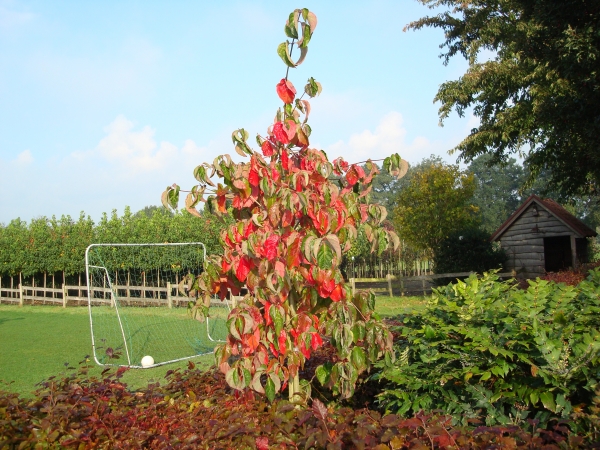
<point x="169" y="296"/>
<point x="399" y="286"/>
<point x="77" y="295"/>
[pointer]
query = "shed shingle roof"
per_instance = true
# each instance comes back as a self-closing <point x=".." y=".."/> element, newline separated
<point x="553" y="208"/>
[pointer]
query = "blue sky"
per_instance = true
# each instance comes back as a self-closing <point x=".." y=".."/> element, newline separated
<point x="104" y="104"/>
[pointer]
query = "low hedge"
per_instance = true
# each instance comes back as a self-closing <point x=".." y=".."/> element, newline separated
<point x="486" y="351"/>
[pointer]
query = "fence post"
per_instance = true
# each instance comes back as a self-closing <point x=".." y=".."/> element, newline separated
<point x="64" y="289"/>
<point x="353" y="283"/>
<point x="389" y="281"/>
<point x="423" y="284"/>
<point x="20" y="294"/>
<point x="401" y="286"/>
<point x="169" y="298"/>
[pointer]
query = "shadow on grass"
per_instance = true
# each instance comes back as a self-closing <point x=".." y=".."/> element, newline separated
<point x="4" y="320"/>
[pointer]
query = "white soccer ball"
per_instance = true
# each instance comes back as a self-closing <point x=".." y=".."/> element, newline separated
<point x="147" y="361"/>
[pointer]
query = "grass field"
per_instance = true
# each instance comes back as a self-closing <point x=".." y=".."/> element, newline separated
<point x="37" y="342"/>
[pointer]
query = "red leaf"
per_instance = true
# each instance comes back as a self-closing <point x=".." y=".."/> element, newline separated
<point x="267" y="148"/>
<point x="254" y="339"/>
<point x="305" y="351"/>
<point x="268" y="319"/>
<point x="273" y="350"/>
<point x="243" y="268"/>
<point x="221" y="203"/>
<point x="316" y="341"/>
<point x="287" y="218"/>
<point x="293" y="256"/>
<point x="282" y="340"/>
<point x="286" y="91"/>
<point x="285" y="161"/>
<point x="284" y="132"/>
<point x="225" y="265"/>
<point x="337" y="294"/>
<point x="270" y="247"/>
<point x="319" y="409"/>
<point x="250" y="228"/>
<point x="280" y="269"/>
<point x="253" y="178"/>
<point x="354" y="174"/>
<point x="322" y="222"/>
<point x="262" y="443"/>
<point x="326" y="287"/>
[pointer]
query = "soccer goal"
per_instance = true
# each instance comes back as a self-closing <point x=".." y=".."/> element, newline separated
<point x="138" y="306"/>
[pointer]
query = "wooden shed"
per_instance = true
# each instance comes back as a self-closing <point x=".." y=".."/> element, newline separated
<point x="541" y="236"/>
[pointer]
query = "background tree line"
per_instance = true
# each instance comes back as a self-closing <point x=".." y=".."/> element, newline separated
<point x="51" y="246"/>
<point x="435" y="205"/>
<point x="446" y="215"/>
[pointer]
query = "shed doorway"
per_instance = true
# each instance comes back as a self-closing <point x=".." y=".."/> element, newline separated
<point x="557" y="253"/>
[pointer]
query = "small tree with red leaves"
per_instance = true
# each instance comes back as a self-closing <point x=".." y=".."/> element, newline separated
<point x="296" y="214"/>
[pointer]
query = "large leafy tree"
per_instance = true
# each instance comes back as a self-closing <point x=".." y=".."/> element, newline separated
<point x="436" y="202"/>
<point x="539" y="92"/>
<point x="498" y="190"/>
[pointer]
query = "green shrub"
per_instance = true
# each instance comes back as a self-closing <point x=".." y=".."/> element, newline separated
<point x="468" y="250"/>
<point x="486" y="350"/>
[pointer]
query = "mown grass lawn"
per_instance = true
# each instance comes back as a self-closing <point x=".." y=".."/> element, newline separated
<point x="37" y="342"/>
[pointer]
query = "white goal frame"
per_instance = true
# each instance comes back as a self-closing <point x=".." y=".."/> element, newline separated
<point x="114" y="302"/>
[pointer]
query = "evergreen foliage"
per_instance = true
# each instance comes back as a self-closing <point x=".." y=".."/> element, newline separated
<point x="468" y="250"/>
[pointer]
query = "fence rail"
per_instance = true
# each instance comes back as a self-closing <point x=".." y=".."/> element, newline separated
<point x="65" y="295"/>
<point x="408" y="285"/>
<point x="169" y="295"/>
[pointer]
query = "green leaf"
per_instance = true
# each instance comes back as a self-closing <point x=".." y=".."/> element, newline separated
<point x="548" y="401"/>
<point x="429" y="332"/>
<point x="358" y="358"/>
<point x="495" y="397"/>
<point x="323" y="373"/>
<point x="486" y="376"/>
<point x="284" y="54"/>
<point x="282" y="51"/>
<point x="325" y="257"/>
<point x="534" y="397"/>
<point x="270" y="389"/>
<point x="277" y="318"/>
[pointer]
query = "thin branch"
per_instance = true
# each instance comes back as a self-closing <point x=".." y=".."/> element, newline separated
<point x="288" y="67"/>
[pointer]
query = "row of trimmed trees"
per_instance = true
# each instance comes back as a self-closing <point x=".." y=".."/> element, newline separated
<point x="56" y="246"/>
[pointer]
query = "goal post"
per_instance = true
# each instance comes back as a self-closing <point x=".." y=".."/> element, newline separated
<point x="138" y="307"/>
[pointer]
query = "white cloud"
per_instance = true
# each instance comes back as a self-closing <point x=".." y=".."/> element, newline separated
<point x="135" y="154"/>
<point x="128" y="166"/>
<point x="24" y="158"/>
<point x="10" y="18"/>
<point x="389" y="137"/>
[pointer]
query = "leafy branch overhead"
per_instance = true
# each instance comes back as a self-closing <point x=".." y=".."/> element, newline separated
<point x="296" y="214"/>
<point x="537" y="94"/>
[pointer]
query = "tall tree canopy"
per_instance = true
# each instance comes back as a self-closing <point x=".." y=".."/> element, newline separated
<point x="540" y="91"/>
<point x="501" y="188"/>
<point x="498" y="190"/>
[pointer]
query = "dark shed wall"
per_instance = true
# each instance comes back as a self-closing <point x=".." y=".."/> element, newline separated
<point x="523" y="241"/>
